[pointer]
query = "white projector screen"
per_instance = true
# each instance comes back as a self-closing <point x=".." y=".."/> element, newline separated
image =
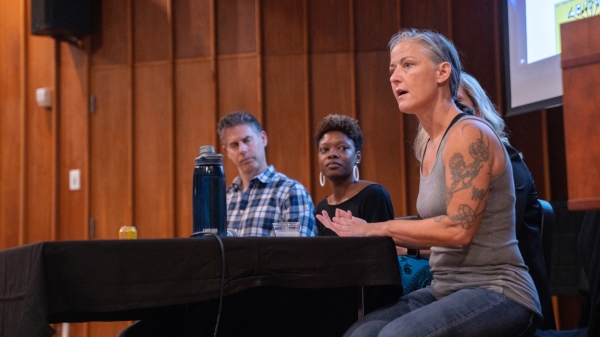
<point x="532" y="40"/>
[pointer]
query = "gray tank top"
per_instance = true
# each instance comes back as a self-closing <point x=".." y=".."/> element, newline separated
<point x="492" y="260"/>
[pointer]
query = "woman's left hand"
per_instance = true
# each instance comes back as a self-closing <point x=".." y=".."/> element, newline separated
<point x="344" y="224"/>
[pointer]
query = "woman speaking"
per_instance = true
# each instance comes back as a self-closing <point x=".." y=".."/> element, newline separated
<point x="480" y="285"/>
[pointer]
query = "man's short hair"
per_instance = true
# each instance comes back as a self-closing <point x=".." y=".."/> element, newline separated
<point x="235" y="119"/>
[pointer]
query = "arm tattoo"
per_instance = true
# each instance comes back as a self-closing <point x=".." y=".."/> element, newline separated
<point x="466" y="216"/>
<point x="478" y="194"/>
<point x="462" y="174"/>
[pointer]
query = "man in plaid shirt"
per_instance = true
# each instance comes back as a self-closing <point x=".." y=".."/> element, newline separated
<point x="260" y="195"/>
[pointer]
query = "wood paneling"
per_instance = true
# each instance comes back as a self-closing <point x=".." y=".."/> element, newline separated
<point x="238" y="85"/>
<point x="431" y="14"/>
<point x="331" y="92"/>
<point x="151" y="41"/>
<point x="471" y="22"/>
<point x="283" y="27"/>
<point x="73" y="208"/>
<point x="192" y="28"/>
<point x="111" y="34"/>
<point x="382" y="125"/>
<point x="236" y="22"/>
<point x="12" y="112"/>
<point x="110" y="151"/>
<point x="153" y="177"/>
<point x="375" y="25"/>
<point x="40" y="143"/>
<point x="580" y="64"/>
<point x="329" y="23"/>
<point x="581" y="130"/>
<point x="195" y="125"/>
<point x="288" y="129"/>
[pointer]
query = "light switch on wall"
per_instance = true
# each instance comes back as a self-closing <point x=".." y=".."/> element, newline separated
<point x="74" y="180"/>
<point x="43" y="97"/>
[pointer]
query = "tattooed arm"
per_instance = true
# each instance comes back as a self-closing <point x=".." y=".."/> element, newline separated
<point x="472" y="156"/>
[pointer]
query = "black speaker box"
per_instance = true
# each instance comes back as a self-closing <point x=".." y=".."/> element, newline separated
<point x="62" y="19"/>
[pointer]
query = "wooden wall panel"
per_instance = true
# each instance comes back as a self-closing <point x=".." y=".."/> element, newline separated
<point x="329" y="23"/>
<point x="581" y="128"/>
<point x="431" y="14"/>
<point x="331" y="92"/>
<point x="471" y="22"/>
<point x="382" y="125"/>
<point x="111" y="135"/>
<point x="238" y="89"/>
<point x="111" y="32"/>
<point x="283" y="27"/>
<point x="195" y="125"/>
<point x="286" y="122"/>
<point x="73" y="208"/>
<point x="151" y="41"/>
<point x="153" y="177"/>
<point x="12" y="112"/>
<point x="374" y="25"/>
<point x="192" y="28"/>
<point x="236" y="26"/>
<point x="110" y="151"/>
<point x="40" y="143"/>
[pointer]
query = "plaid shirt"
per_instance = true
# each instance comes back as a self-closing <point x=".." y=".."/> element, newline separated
<point x="271" y="197"/>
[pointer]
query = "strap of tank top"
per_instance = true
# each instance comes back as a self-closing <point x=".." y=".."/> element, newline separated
<point x="454" y="120"/>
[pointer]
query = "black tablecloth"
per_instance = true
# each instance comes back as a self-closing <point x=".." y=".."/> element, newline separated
<point x="77" y="281"/>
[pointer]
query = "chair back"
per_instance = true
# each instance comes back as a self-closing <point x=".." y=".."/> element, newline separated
<point x="547" y="231"/>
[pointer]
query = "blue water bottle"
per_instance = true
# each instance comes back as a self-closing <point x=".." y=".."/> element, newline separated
<point x="208" y="195"/>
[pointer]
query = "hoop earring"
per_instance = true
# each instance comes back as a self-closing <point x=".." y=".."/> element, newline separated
<point x="321" y="179"/>
<point x="356" y="173"/>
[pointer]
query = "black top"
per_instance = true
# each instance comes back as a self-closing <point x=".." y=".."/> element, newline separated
<point x="528" y="231"/>
<point x="373" y="204"/>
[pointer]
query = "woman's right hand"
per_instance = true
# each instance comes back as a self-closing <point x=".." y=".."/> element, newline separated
<point x="344" y="224"/>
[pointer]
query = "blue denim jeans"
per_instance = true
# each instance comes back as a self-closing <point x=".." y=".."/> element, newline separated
<point x="468" y="312"/>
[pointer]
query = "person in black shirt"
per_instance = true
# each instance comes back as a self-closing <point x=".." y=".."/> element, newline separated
<point x="339" y="142"/>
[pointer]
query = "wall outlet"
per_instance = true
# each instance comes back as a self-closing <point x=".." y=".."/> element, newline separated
<point x="74" y="180"/>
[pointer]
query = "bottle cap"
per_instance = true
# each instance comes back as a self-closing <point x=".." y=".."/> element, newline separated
<point x="207" y="149"/>
<point x="208" y="156"/>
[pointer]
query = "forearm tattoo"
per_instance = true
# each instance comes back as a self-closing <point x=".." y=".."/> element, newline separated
<point x="462" y="176"/>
